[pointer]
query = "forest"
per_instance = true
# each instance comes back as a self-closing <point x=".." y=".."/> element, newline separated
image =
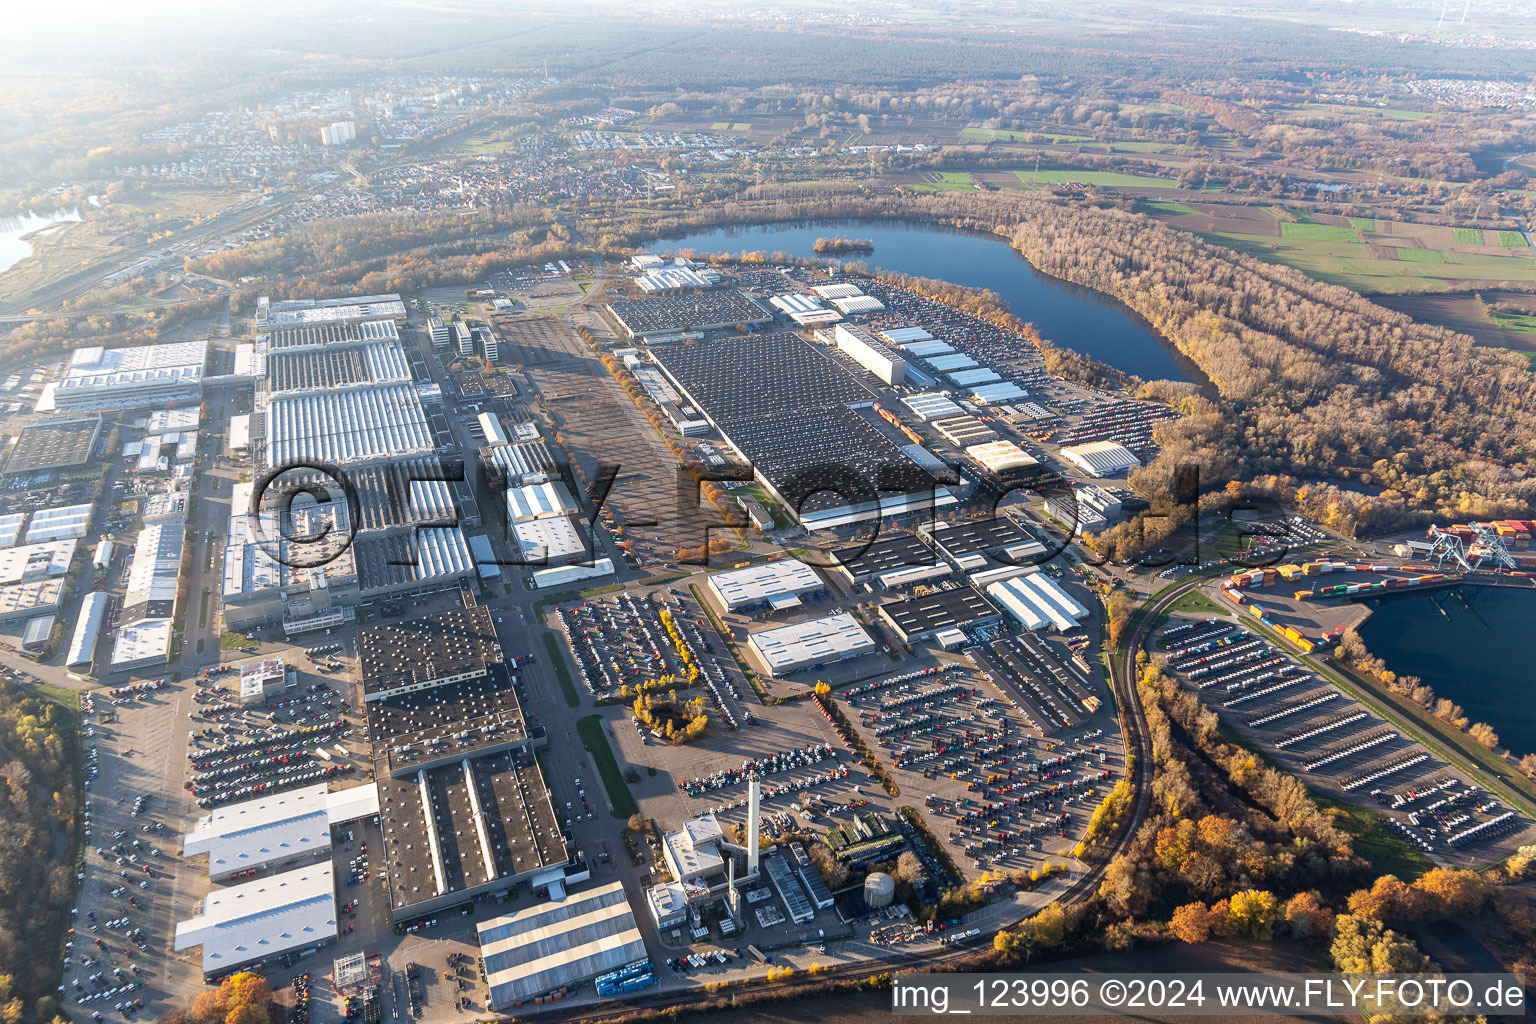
<point x="39" y="834"/>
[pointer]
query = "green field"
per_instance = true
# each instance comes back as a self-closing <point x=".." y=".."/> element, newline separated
<point x="741" y="126"/>
<point x="1421" y="255"/>
<point x="1389" y="113"/>
<point x="1167" y="206"/>
<point x="720" y="126"/>
<point x="1524" y="323"/>
<point x="1005" y="135"/>
<point x="1353" y="265"/>
<point x="1103" y="179"/>
<point x="1362" y="223"/>
<point x="590" y="729"/>
<point x="1468" y="236"/>
<point x="950" y="181"/>
<point x="1318" y="232"/>
<point x="1388" y="852"/>
<point x="1512" y="239"/>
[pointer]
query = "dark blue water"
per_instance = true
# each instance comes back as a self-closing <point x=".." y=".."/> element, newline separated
<point x="1471" y="645"/>
<point x="1072" y="317"/>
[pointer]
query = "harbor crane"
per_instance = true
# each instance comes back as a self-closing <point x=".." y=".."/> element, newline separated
<point x="1486" y="547"/>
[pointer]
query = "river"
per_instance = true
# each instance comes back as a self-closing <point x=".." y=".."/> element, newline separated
<point x="14" y="243"/>
<point x="1472" y="645"/>
<point x="1077" y="318"/>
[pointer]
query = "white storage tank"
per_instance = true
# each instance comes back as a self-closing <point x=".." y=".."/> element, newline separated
<point x="879" y="889"/>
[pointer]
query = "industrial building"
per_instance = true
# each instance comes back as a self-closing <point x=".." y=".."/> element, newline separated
<point x="971" y="378"/>
<point x="34" y="597"/>
<point x="999" y="391"/>
<point x="82" y="642"/>
<point x="336" y="367"/>
<point x="804" y="310"/>
<point x="557" y="944"/>
<point x="317" y="312"/>
<point x="263" y="679"/>
<point x="564" y="575"/>
<point x="1088" y="508"/>
<point x="132" y="378"/>
<point x="800" y="429"/>
<point x="547" y="498"/>
<point x="149" y="606"/>
<point x="1038" y="602"/>
<point x="326" y="335"/>
<point x="900" y="559"/>
<point x="363" y="424"/>
<point x="822" y="641"/>
<point x="552" y="540"/>
<point x="775" y="585"/>
<point x="64" y="521"/>
<point x="855" y="304"/>
<point x="969" y="544"/>
<point x="262" y="919"/>
<point x="1100" y="458"/>
<point x="918" y="618"/>
<point x="1000" y="457"/>
<point x="280" y="830"/>
<point x="36" y="561"/>
<point x="964" y="431"/>
<point x="931" y="406"/>
<point x="903" y="337"/>
<point x="870" y="352"/>
<point x="657" y="317"/>
<point x="519" y="462"/>
<point x="57" y="444"/>
<point x="841" y="290"/>
<point x="462" y="803"/>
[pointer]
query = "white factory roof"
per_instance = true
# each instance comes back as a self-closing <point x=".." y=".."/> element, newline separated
<point x="52" y="524"/>
<point x="553" y="944"/>
<point x="560" y="575"/>
<point x="156" y="564"/>
<point x="929" y="347"/>
<point x="299" y="312"/>
<point x="858" y="304"/>
<point x="31" y="561"/>
<point x="779" y="582"/>
<point x="537" y="500"/>
<point x="1000" y="455"/>
<point x="1100" y="458"/>
<point x="346" y="426"/>
<point x="519" y="467"/>
<point x="787" y="648"/>
<point x="240" y="431"/>
<point x="10" y="528"/>
<point x="693" y="850"/>
<point x="248" y="361"/>
<point x="97" y="369"/>
<point x="1037" y="601"/>
<point x="796" y="302"/>
<point x="931" y="406"/>
<point x="490" y="425"/>
<point x="146" y="641"/>
<point x="271" y="829"/>
<point x="263" y="918"/>
<point x="30" y="597"/>
<point x="82" y="643"/>
<point x="837" y="291"/>
<point x="666" y="279"/>
<point x="902" y="336"/>
<point x="175" y="420"/>
<point x="1002" y="391"/>
<point x="550" y="539"/>
<point x="979" y="375"/>
<point x="164" y="505"/>
<point x="952" y="361"/>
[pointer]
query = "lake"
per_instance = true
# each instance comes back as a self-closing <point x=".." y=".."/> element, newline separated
<point x="1073" y="317"/>
<point x="1472" y="645"/>
<point x="14" y="246"/>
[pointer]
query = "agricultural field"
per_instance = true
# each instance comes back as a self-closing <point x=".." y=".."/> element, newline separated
<point x="1370" y="255"/>
<point x="1512" y="326"/>
<point x="947" y="181"/>
<point x="1512" y="239"/>
<point x="1005" y="135"/>
<point x="1100" y="179"/>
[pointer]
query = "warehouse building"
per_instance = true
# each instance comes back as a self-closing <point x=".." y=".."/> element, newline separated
<point x="823" y="641"/>
<point x="969" y="544"/>
<point x="870" y="352"/>
<point x="800" y="429"/>
<point x="951" y="361"/>
<point x="431" y="651"/>
<point x="336" y="367"/>
<point x="322" y="336"/>
<point x="58" y="444"/>
<point x="565" y="575"/>
<point x="904" y="337"/>
<point x="931" y="406"/>
<point x="548" y="498"/>
<point x="917" y="618"/>
<point x="929" y="348"/>
<point x="325" y="312"/>
<point x="971" y="378"/>
<point x="661" y="316"/>
<point x="1002" y="391"/>
<point x="856" y="304"/>
<point x="36" y="561"/>
<point x="841" y="290"/>
<point x="132" y="378"/>
<point x="1100" y="458"/>
<point x="1038" y="602"/>
<point x="804" y="310"/>
<point x="364" y="424"/>
<point x="899" y="559"/>
<point x="964" y="431"/>
<point x="776" y="585"/>
<point x="63" y="522"/>
<point x="1000" y="457"/>
<point x="34" y="597"/>
<point x="149" y="606"/>
<point x="519" y="462"/>
<point x="558" y="944"/>
<point x="281" y="830"/>
<point x="262" y="919"/>
<point x="1088" y="508"/>
<point x="551" y="540"/>
<point x="82" y="643"/>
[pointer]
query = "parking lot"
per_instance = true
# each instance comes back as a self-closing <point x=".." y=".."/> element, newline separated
<point x="1336" y="744"/>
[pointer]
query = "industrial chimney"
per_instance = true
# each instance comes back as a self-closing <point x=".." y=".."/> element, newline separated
<point x="754" y="807"/>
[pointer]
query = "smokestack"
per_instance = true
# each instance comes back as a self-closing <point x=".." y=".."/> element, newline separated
<point x="754" y="802"/>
